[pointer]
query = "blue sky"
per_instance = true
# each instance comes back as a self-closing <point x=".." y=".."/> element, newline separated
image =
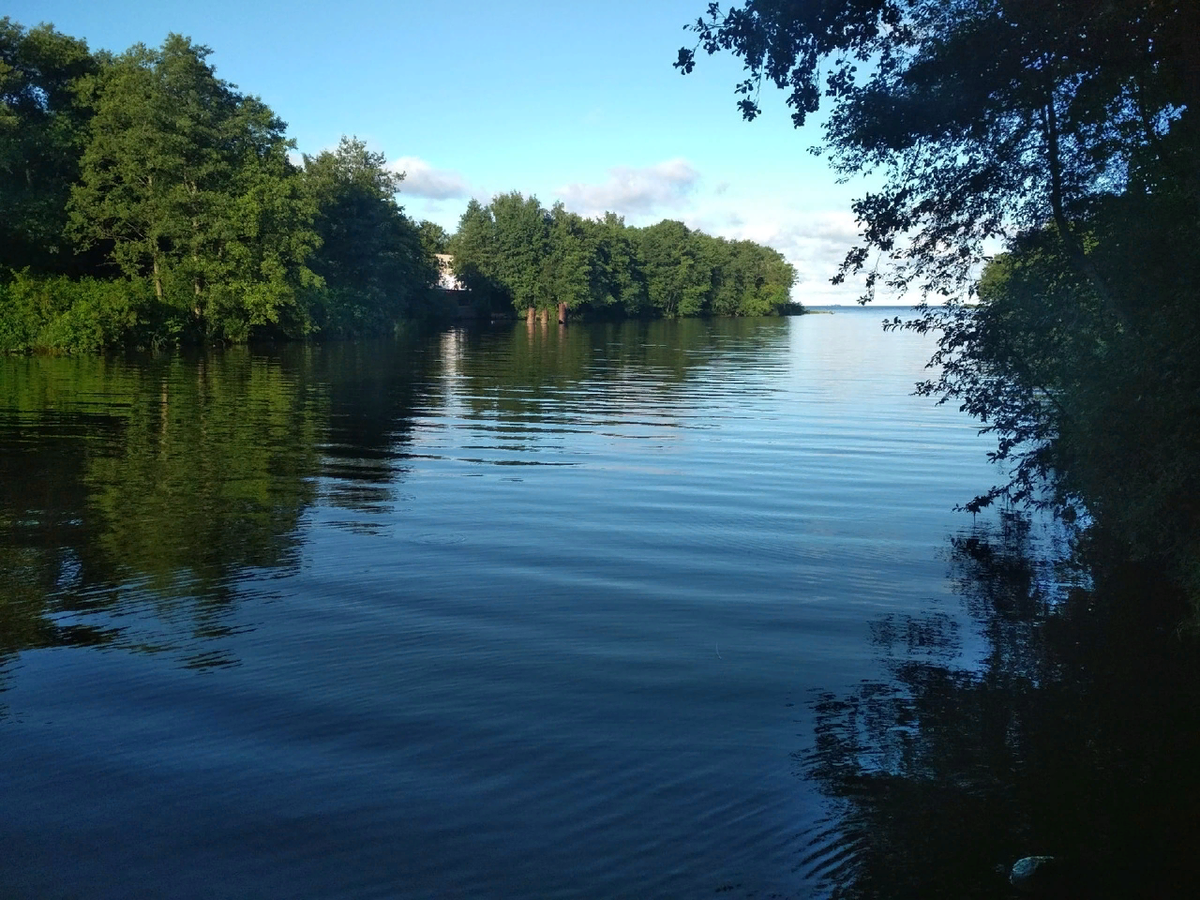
<point x="567" y="101"/>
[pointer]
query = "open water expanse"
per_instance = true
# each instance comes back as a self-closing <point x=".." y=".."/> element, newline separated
<point x="500" y="613"/>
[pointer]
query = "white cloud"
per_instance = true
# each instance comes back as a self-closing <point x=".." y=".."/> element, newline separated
<point x="819" y="239"/>
<point x="423" y="180"/>
<point x="633" y="191"/>
<point x="814" y="242"/>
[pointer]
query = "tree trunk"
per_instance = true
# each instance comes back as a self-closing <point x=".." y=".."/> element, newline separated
<point x="158" y="290"/>
<point x="1074" y="249"/>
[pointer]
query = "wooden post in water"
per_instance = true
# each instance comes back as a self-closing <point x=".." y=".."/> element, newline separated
<point x="529" y="312"/>
<point x="562" y="314"/>
<point x="544" y="317"/>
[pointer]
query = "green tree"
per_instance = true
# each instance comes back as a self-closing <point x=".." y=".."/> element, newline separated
<point x="1070" y="131"/>
<point x="677" y="282"/>
<point x="984" y="116"/>
<point x="522" y="247"/>
<point x="190" y="182"/>
<point x="766" y="279"/>
<point x="618" y="276"/>
<point x="475" y="250"/>
<point x="42" y="129"/>
<point x="434" y="238"/>
<point x="516" y="251"/>
<point x="570" y="261"/>
<point x="372" y="257"/>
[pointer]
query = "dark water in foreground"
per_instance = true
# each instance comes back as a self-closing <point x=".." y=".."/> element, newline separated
<point x="665" y="610"/>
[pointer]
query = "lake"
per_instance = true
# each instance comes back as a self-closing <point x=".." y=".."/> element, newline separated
<point x="572" y="612"/>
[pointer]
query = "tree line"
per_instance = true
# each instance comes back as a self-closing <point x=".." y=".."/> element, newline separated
<point x="146" y="202"/>
<point x="514" y="253"/>
<point x="1069" y="131"/>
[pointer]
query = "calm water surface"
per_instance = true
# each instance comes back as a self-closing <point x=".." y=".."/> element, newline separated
<point x="500" y="613"/>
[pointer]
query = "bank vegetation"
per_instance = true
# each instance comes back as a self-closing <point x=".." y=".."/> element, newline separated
<point x="1069" y="133"/>
<point x="145" y="202"/>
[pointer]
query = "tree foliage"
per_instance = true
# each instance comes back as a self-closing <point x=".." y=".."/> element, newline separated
<point x="190" y="183"/>
<point x="42" y="122"/>
<point x="986" y="117"/>
<point x="434" y="238"/>
<point x="372" y="257"/>
<point x="146" y="170"/>
<point x="516" y="252"/>
<point x="1069" y="131"/>
<point x="145" y="201"/>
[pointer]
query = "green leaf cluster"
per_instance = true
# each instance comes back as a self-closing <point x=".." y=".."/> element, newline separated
<point x="188" y="183"/>
<point x="145" y="168"/>
<point x="1090" y="415"/>
<point x="515" y="254"/>
<point x="43" y="117"/>
<point x="83" y="315"/>
<point x="373" y="261"/>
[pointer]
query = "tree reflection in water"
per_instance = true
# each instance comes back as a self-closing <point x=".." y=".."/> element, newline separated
<point x="1077" y="735"/>
<point x="136" y="497"/>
